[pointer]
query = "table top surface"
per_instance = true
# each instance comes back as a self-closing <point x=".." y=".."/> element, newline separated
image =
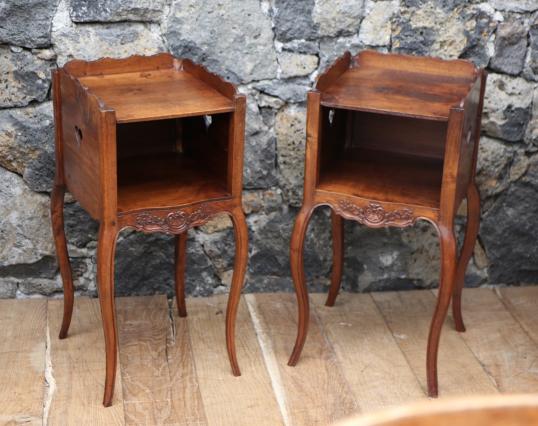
<point x="156" y="94"/>
<point x="401" y="85"/>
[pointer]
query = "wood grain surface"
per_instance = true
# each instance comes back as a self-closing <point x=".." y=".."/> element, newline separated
<point x="364" y="354"/>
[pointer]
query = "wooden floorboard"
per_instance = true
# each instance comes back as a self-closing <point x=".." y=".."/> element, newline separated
<point x="522" y="303"/>
<point x="186" y="394"/>
<point x="408" y="314"/>
<point x="507" y="352"/>
<point x="244" y="400"/>
<point x="23" y="326"/>
<point x="315" y="390"/>
<point x="370" y="358"/>
<point x="143" y="327"/>
<point x="78" y="368"/>
<point x="365" y="353"/>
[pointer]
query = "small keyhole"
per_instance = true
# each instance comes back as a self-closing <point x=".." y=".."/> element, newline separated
<point x="331" y="116"/>
<point x="78" y="135"/>
<point x="207" y="120"/>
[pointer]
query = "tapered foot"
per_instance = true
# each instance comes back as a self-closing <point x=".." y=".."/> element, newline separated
<point x="181" y="253"/>
<point x="238" y="279"/>
<point x="338" y="258"/>
<point x="105" y="281"/>
<point x="297" y="272"/>
<point x="448" y="271"/>
<point x="471" y="233"/>
<point x="58" y="230"/>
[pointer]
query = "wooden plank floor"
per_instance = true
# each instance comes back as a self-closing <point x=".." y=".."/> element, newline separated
<point x="365" y="353"/>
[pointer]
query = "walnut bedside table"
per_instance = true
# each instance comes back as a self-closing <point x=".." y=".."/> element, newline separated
<point x="150" y="143"/>
<point x="392" y="139"/>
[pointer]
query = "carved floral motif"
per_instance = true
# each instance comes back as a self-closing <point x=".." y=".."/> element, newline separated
<point x="173" y="223"/>
<point x="375" y="214"/>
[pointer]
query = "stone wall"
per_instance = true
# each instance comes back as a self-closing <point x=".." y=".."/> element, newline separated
<point x="273" y="49"/>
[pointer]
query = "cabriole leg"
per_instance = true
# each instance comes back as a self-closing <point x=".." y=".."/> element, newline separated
<point x="338" y="257"/>
<point x="446" y="286"/>
<point x="105" y="282"/>
<point x="471" y="233"/>
<point x="238" y="279"/>
<point x="297" y="273"/>
<point x="58" y="230"/>
<point x="181" y="253"/>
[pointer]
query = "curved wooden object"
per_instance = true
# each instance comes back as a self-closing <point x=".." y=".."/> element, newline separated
<point x="297" y="273"/>
<point x="106" y="247"/>
<point x="471" y="233"/>
<point x="58" y="231"/>
<point x="337" y="225"/>
<point x="238" y="279"/>
<point x="181" y="254"/>
<point x="381" y="153"/>
<point x="447" y="241"/>
<point x="105" y="111"/>
<point x="494" y="410"/>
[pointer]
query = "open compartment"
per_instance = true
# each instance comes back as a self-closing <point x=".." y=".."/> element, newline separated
<point x="390" y="158"/>
<point x="172" y="162"/>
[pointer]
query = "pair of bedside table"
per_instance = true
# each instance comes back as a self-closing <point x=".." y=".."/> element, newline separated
<point x="156" y="144"/>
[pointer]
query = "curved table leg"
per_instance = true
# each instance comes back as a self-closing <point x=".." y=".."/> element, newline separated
<point x="105" y="281"/>
<point x="471" y="233"/>
<point x="238" y="279"/>
<point x="181" y="253"/>
<point x="448" y="272"/>
<point x="58" y="230"/>
<point x="338" y="257"/>
<point x="297" y="272"/>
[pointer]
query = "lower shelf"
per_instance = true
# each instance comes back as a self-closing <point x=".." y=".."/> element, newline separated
<point x="165" y="180"/>
<point x="384" y="176"/>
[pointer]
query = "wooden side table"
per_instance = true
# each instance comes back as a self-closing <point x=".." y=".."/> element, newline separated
<point x="150" y="143"/>
<point x="392" y="139"/>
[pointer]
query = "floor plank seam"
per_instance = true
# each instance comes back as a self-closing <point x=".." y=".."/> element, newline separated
<point x="516" y="319"/>
<point x="464" y="340"/>
<point x="189" y="346"/>
<point x="398" y="345"/>
<point x="331" y="349"/>
<point x="171" y="308"/>
<point x="270" y="360"/>
<point x="170" y="337"/>
<point x="50" y="382"/>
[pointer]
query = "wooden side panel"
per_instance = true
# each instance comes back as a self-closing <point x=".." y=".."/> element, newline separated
<point x="135" y="63"/>
<point x="80" y="138"/>
<point x="207" y="144"/>
<point x="335" y="126"/>
<point x="331" y="74"/>
<point x="450" y="166"/>
<point x="22" y="360"/>
<point x="313" y="145"/>
<point x="213" y="80"/>
<point x="236" y="140"/>
<point x="146" y="137"/>
<point x="403" y="135"/>
<point x="469" y="141"/>
<point x="78" y="368"/>
<point x="456" y="67"/>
